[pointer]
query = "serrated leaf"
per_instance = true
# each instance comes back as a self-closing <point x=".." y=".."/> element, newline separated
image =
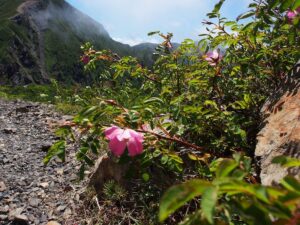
<point x="208" y="203"/>
<point x="178" y="195"/>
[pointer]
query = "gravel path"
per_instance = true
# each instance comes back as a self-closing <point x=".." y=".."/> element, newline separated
<point x="31" y="193"/>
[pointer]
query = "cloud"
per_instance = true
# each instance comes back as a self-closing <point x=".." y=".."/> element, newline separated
<point x="125" y="19"/>
<point x="136" y="41"/>
<point x="176" y="24"/>
<point x="145" y="10"/>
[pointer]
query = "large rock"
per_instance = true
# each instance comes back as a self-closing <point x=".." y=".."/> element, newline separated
<point x="280" y="134"/>
<point x="107" y="169"/>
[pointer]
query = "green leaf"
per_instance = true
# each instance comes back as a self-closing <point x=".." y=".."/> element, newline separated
<point x="211" y="15"/>
<point x="296" y="5"/>
<point x="180" y="194"/>
<point x="286" y="161"/>
<point x="88" y="160"/>
<point x="64" y="132"/>
<point x="286" y="4"/>
<point x="208" y="203"/>
<point x="249" y="26"/>
<point x="230" y="23"/>
<point x="153" y="99"/>
<point x="89" y="111"/>
<point x="153" y="33"/>
<point x="156" y="153"/>
<point x="175" y="157"/>
<point x="231" y="186"/>
<point x="81" y="153"/>
<point x="218" y="6"/>
<point x="215" y="164"/>
<point x="146" y="177"/>
<point x="273" y="4"/>
<point x="58" y="149"/>
<point x="252" y="212"/>
<point x="94" y="148"/>
<point x="81" y="171"/>
<point x="194" y="219"/>
<point x="211" y="103"/>
<point x="253" y="5"/>
<point x="291" y="184"/>
<point x="245" y="15"/>
<point x="164" y="159"/>
<point x="226" y="167"/>
<point x="261" y="193"/>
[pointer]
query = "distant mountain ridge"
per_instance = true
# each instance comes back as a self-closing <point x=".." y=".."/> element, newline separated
<point x="40" y="40"/>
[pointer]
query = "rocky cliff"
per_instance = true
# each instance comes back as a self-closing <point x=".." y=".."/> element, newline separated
<point x="280" y="133"/>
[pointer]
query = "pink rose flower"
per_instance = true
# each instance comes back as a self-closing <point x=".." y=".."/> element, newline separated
<point x="213" y="58"/>
<point x="122" y="138"/>
<point x="85" y="59"/>
<point x="292" y="14"/>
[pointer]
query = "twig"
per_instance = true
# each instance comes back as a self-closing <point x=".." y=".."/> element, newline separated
<point x="174" y="139"/>
<point x="97" y="202"/>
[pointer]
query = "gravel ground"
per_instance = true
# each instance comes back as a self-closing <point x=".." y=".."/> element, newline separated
<point x="30" y="192"/>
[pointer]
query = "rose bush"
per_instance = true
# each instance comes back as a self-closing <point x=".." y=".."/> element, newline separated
<point x="195" y="114"/>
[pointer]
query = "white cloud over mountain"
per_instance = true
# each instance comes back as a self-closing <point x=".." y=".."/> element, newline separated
<point x="131" y="20"/>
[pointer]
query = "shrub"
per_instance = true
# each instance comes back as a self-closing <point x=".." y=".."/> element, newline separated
<point x="197" y="108"/>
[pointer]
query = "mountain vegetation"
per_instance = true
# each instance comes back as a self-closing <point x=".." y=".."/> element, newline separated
<point x="41" y="40"/>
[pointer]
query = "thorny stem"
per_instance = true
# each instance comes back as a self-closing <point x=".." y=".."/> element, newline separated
<point x="174" y="139"/>
<point x="150" y="78"/>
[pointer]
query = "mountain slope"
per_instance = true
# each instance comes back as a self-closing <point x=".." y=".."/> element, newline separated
<point x="40" y="39"/>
